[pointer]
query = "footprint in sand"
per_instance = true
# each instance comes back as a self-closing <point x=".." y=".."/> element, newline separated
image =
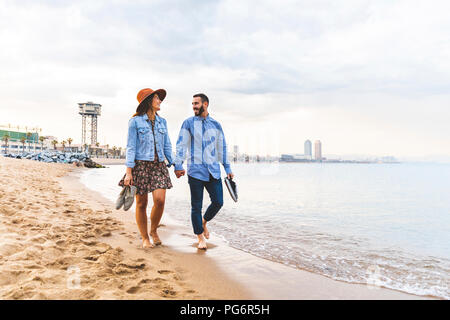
<point x="89" y="243"/>
<point x="145" y="281"/>
<point x="102" y="248"/>
<point x="190" y="291"/>
<point x="133" y="290"/>
<point x="164" y="271"/>
<point x="132" y="264"/>
<point x="168" y="293"/>
<point x="178" y="277"/>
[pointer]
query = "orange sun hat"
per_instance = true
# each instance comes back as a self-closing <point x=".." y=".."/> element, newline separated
<point x="145" y="93"/>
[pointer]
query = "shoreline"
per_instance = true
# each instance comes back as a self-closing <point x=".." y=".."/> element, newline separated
<point x="58" y="223"/>
<point x="274" y="280"/>
<point x="108" y="161"/>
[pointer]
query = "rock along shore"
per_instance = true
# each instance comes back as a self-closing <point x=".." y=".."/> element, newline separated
<point x="76" y="158"/>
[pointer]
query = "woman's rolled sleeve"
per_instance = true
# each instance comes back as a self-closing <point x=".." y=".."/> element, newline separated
<point x="131" y="143"/>
<point x="168" y="146"/>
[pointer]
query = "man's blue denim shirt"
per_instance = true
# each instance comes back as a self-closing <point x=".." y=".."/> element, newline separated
<point x="140" y="141"/>
<point x="205" y="141"/>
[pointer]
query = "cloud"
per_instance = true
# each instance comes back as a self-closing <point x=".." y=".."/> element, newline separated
<point x="257" y="60"/>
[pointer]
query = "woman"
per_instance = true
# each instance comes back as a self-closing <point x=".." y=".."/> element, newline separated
<point x="148" y="145"/>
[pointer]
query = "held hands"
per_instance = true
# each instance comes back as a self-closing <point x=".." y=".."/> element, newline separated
<point x="179" y="173"/>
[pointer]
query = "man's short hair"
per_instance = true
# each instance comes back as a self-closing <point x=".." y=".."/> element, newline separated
<point x="202" y="96"/>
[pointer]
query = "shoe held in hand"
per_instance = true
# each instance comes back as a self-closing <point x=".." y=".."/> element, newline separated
<point x="129" y="197"/>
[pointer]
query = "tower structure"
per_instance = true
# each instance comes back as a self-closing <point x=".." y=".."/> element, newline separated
<point x="89" y="112"/>
<point x="318" y="150"/>
<point x="308" y="149"/>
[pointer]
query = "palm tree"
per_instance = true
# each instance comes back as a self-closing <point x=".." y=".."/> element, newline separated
<point x="29" y="134"/>
<point x="64" y="145"/>
<point x="54" y="143"/>
<point x="114" y="151"/>
<point x="22" y="140"/>
<point x="69" y="141"/>
<point x="107" y="150"/>
<point x="41" y="140"/>
<point x="5" y="138"/>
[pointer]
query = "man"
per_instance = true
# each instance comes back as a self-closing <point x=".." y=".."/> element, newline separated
<point x="203" y="137"/>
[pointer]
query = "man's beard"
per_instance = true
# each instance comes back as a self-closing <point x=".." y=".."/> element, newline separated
<point x="200" y="111"/>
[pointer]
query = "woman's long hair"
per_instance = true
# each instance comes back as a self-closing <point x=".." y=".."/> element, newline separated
<point x="145" y="106"/>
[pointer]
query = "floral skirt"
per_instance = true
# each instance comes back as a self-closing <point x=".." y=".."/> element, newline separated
<point x="149" y="176"/>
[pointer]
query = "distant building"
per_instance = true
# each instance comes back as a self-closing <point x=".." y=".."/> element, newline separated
<point x="294" y="158"/>
<point x="47" y="143"/>
<point x="287" y="157"/>
<point x="14" y="142"/>
<point x="318" y="150"/>
<point x="308" y="149"/>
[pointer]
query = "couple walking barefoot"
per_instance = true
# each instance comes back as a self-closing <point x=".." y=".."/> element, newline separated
<point x="201" y="138"/>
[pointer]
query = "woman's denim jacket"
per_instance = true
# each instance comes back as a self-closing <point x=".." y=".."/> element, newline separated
<point x="140" y="141"/>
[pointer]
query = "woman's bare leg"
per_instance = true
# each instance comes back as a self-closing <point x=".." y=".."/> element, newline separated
<point x="141" y="219"/>
<point x="159" y="200"/>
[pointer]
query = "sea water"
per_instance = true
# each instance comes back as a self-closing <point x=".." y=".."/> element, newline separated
<point x="382" y="224"/>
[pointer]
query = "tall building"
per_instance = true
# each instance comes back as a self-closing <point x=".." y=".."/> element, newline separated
<point x="318" y="150"/>
<point x="235" y="153"/>
<point x="308" y="149"/>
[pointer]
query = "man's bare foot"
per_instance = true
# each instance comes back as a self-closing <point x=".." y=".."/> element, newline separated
<point x="205" y="230"/>
<point x="147" y="244"/>
<point x="155" y="237"/>
<point x="201" y="242"/>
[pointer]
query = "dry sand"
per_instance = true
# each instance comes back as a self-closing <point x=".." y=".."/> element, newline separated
<point x="53" y="230"/>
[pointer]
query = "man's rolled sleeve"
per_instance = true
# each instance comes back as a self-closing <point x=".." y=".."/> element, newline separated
<point x="223" y="151"/>
<point x="227" y="168"/>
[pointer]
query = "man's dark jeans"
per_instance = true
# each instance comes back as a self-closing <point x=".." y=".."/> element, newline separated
<point x="214" y="188"/>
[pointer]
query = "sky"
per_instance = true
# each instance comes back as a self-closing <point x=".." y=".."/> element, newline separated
<point x="364" y="77"/>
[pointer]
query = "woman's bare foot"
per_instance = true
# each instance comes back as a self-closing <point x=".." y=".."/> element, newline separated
<point x="205" y="230"/>
<point x="155" y="237"/>
<point x="201" y="242"/>
<point x="147" y="244"/>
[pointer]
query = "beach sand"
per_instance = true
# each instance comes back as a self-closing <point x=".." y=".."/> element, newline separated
<point x="54" y="231"/>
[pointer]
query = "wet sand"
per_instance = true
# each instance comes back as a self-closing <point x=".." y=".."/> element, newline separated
<point x="53" y="229"/>
<point x="108" y="161"/>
